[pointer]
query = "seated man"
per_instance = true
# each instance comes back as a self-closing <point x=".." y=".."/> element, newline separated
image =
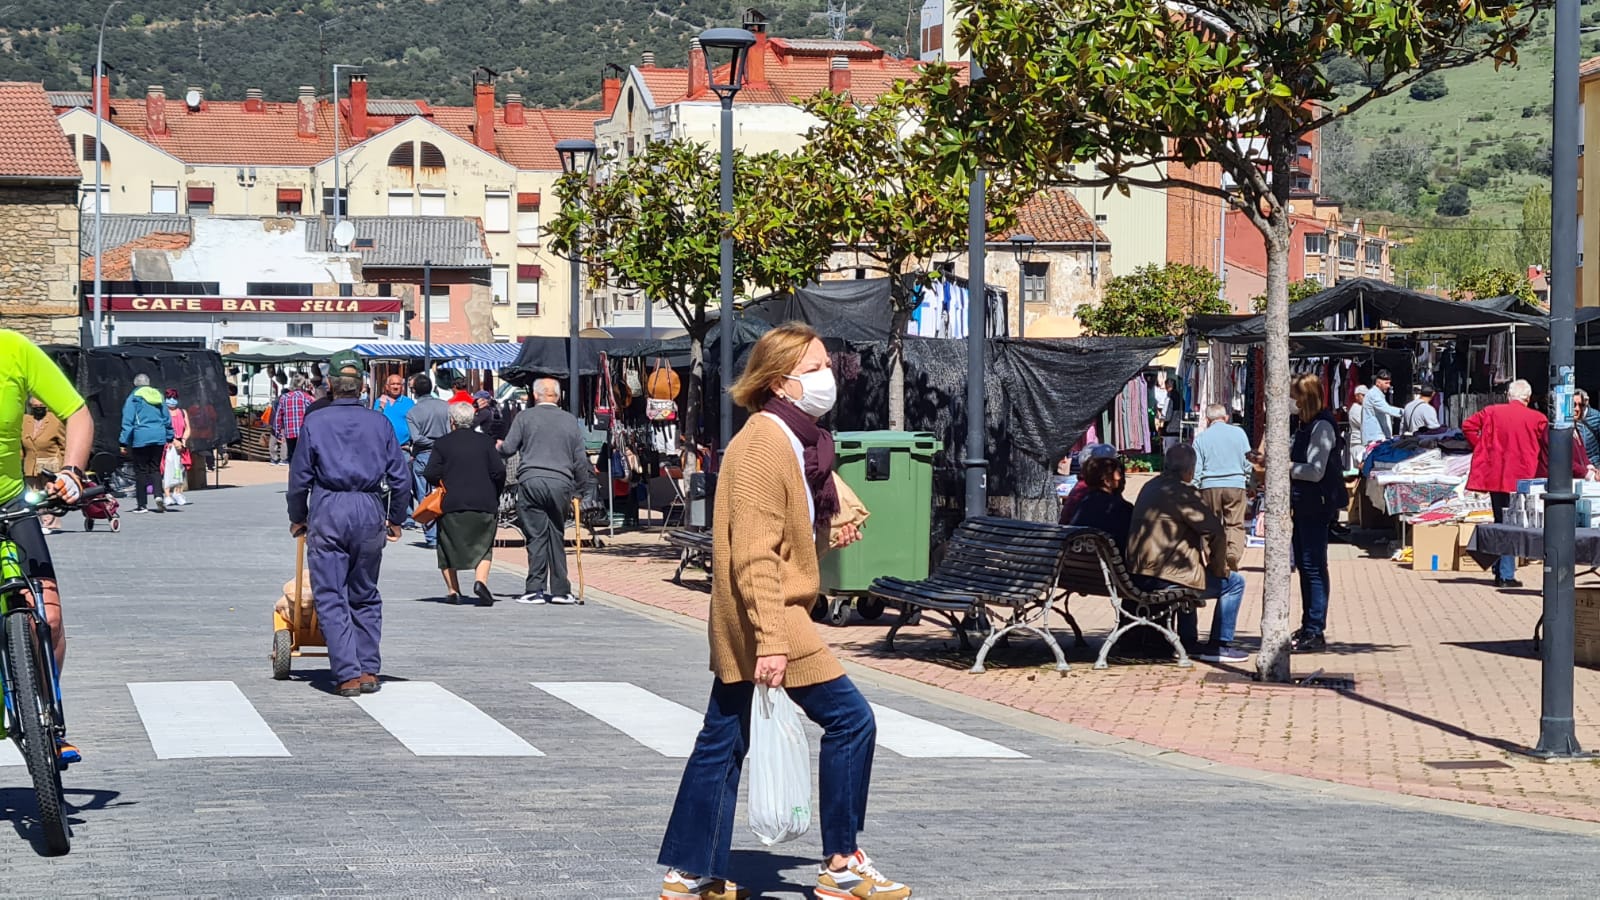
<point x="1177" y="540"/>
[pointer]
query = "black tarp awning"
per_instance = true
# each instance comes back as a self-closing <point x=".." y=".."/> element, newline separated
<point x="851" y="310"/>
<point x="105" y="375"/>
<point x="746" y="331"/>
<point x="1404" y="308"/>
<point x="546" y="357"/>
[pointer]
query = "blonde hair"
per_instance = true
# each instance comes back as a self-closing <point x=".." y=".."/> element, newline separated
<point x="775" y="355"/>
<point x="1307" y="393"/>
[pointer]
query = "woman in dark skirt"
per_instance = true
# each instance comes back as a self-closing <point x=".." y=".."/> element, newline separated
<point x="473" y="474"/>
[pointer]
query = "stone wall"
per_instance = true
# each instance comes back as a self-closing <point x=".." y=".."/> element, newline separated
<point x="39" y="262"/>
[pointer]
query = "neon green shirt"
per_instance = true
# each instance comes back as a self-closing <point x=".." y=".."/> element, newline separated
<point x="26" y="371"/>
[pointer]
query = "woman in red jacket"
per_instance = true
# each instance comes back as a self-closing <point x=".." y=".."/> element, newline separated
<point x="1510" y="442"/>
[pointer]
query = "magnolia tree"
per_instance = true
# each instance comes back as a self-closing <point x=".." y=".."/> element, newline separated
<point x="1133" y="85"/>
<point x="655" y="225"/>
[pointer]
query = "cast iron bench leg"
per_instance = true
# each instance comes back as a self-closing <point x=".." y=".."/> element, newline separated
<point x="1129" y="621"/>
<point x="1034" y="620"/>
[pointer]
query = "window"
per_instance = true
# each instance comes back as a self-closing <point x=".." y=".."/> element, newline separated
<point x="200" y="199"/>
<point x="401" y="204"/>
<point x="439" y="303"/>
<point x="1304" y="150"/>
<point x="1580" y="240"/>
<point x="278" y="288"/>
<point x="88" y="151"/>
<point x="299" y="329"/>
<point x="433" y="203"/>
<point x="89" y="194"/>
<point x="1302" y="182"/>
<point x="528" y="290"/>
<point x="1035" y="283"/>
<point x="1317" y="244"/>
<point x="497" y="211"/>
<point x="431" y="157"/>
<point x="344" y="201"/>
<point x="163" y="200"/>
<point x="1347" y="248"/>
<point x="528" y="219"/>
<point x="72" y="141"/>
<point x="1099" y="218"/>
<point x="500" y="285"/>
<point x="1374" y="253"/>
<point x="402" y="156"/>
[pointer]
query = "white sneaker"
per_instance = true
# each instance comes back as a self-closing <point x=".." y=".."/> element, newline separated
<point x="181" y="500"/>
<point x="534" y="599"/>
<point x="562" y="600"/>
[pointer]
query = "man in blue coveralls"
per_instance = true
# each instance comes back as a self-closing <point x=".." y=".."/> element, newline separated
<point x="349" y="489"/>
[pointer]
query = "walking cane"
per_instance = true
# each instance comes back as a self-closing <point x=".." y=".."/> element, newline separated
<point x="577" y="543"/>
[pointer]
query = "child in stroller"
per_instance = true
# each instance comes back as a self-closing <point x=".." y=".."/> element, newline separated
<point x="104" y="507"/>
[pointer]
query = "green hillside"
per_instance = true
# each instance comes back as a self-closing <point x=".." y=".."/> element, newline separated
<point x="550" y="50"/>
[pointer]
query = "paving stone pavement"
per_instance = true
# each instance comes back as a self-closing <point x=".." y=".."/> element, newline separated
<point x="351" y="811"/>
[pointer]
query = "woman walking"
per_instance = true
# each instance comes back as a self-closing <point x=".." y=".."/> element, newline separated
<point x="176" y="476"/>
<point x="44" y="449"/>
<point x="1316" y="495"/>
<point x="775" y="493"/>
<point x="473" y="474"/>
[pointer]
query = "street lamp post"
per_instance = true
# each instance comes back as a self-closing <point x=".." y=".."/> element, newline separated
<point x="731" y="45"/>
<point x="1022" y="249"/>
<point x="99" y="184"/>
<point x="975" y="463"/>
<point x="338" y="196"/>
<point x="576" y="156"/>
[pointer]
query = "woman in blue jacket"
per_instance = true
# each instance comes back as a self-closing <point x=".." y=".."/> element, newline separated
<point x="146" y="431"/>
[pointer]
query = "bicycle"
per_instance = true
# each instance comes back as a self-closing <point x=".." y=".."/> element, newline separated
<point x="34" y="719"/>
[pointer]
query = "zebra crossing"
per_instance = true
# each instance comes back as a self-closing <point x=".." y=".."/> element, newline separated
<point x="186" y="720"/>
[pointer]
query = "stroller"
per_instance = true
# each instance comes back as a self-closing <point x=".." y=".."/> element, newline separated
<point x="102" y="508"/>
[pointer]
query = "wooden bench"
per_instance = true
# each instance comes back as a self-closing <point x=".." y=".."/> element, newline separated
<point x="996" y="572"/>
<point x="694" y="548"/>
<point x="1094" y="567"/>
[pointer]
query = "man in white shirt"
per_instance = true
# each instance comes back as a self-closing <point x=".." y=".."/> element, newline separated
<point x="1377" y="416"/>
<point x="1419" y="414"/>
<point x="1354" y="449"/>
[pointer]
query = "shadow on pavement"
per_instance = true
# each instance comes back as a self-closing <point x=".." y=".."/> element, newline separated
<point x="22" y="808"/>
<point x="1446" y="727"/>
<point x="1520" y="648"/>
<point x="762" y="871"/>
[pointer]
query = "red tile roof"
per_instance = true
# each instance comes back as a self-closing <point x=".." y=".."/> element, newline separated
<point x="1054" y="216"/>
<point x="665" y="85"/>
<point x="32" y="144"/>
<point x="225" y="133"/>
<point x="1589" y="67"/>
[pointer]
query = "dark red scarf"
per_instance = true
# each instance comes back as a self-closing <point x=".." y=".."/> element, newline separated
<point x="817" y="443"/>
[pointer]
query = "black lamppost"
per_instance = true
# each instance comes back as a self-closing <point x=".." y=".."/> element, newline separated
<point x="975" y="463"/>
<point x="577" y="155"/>
<point x="732" y="47"/>
<point x="1022" y="249"/>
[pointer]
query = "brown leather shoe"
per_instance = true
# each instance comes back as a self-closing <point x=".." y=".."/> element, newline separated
<point x="351" y="688"/>
<point x="370" y="684"/>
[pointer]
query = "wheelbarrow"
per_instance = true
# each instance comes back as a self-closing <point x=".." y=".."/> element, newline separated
<point x="295" y="631"/>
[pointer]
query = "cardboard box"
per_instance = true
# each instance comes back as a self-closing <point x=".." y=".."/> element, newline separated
<point x="1435" y="547"/>
<point x="1464" y="560"/>
<point x="1586" y="642"/>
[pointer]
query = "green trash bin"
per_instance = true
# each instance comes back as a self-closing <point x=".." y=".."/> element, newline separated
<point x="892" y="473"/>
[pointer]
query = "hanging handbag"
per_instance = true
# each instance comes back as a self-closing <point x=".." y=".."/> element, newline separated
<point x="661" y="410"/>
<point x="631" y="381"/>
<point x="431" y="507"/>
<point x="664" y="383"/>
<point x="603" y="410"/>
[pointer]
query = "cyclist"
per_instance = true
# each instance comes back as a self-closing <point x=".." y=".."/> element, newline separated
<point x="26" y="371"/>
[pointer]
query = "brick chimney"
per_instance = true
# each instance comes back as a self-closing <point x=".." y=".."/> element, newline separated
<point x="515" y="114"/>
<point x="155" y="110"/>
<point x="756" y="65"/>
<point x="254" y="101"/>
<point x="697" y="68"/>
<point x="483" y="105"/>
<point x="101" y="96"/>
<point x="306" y="112"/>
<point x="611" y="87"/>
<point x="358" y="107"/>
<point x="647" y="59"/>
<point x="839" y="75"/>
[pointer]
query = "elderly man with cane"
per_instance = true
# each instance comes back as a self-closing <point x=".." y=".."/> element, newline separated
<point x="552" y="468"/>
<point x="349" y="489"/>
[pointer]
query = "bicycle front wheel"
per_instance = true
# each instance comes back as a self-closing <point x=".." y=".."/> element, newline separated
<point x="34" y="722"/>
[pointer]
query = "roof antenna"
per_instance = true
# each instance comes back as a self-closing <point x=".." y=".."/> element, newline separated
<point x="838" y="18"/>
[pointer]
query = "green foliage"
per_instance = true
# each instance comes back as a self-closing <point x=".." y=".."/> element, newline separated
<point x="550" y="50"/>
<point x="1429" y="87"/>
<point x="1154" y="301"/>
<point x="1456" y="200"/>
<point x="1442" y="254"/>
<point x="1298" y="290"/>
<point x="1487" y="281"/>
<point x="1533" y="235"/>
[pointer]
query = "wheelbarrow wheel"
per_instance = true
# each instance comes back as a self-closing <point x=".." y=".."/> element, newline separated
<point x="870" y="608"/>
<point x="281" y="653"/>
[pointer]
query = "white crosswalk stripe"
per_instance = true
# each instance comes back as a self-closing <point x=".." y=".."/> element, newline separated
<point x="197" y="719"/>
<point x="431" y="721"/>
<point x="667" y="728"/>
<point x="9" y="754"/>
<point x="920" y="739"/>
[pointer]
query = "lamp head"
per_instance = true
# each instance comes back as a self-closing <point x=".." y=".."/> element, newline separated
<point x="577" y="155"/>
<point x="1022" y="246"/>
<point x="730" y="47"/>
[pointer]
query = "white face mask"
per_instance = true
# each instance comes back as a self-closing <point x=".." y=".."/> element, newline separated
<point x="818" y="391"/>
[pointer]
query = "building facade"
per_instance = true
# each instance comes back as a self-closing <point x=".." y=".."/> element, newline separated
<point x="38" y="219"/>
<point x="1588" y="277"/>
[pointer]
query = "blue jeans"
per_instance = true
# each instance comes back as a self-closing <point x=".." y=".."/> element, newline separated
<point x="1505" y="568"/>
<point x="420" y="487"/>
<point x="1228" y="591"/>
<point x="1310" y="541"/>
<point x="700" y="831"/>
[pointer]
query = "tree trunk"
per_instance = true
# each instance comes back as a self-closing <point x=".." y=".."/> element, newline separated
<point x="1272" y="663"/>
<point x="694" y="398"/>
<point x="897" y="358"/>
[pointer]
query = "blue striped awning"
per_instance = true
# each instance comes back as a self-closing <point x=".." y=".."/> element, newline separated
<point x="480" y="356"/>
<point x="400" y="350"/>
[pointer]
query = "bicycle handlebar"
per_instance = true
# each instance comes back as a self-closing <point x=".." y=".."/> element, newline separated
<point x="49" y="503"/>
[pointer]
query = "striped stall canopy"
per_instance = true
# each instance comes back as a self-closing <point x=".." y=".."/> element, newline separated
<point x="463" y="356"/>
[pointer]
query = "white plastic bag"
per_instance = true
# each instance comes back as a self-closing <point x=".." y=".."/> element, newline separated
<point x="172" y="474"/>
<point x="780" y="769"/>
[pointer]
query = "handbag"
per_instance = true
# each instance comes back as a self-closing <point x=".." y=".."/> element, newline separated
<point x="664" y="382"/>
<point x="603" y="397"/>
<point x="631" y="382"/>
<point x="661" y="410"/>
<point x="431" y="507"/>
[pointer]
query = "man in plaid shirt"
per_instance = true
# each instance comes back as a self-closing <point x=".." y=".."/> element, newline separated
<point x="291" y="414"/>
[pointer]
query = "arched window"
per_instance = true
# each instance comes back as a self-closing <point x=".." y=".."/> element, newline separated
<point x="88" y="150"/>
<point x="402" y="156"/>
<point x="431" y="157"/>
